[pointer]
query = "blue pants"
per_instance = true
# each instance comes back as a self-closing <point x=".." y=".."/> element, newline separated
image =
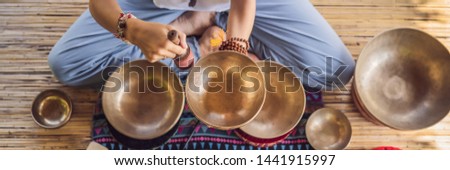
<point x="291" y="32"/>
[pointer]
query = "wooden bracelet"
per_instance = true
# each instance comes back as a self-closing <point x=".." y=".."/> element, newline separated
<point x="247" y="45"/>
<point x="233" y="45"/>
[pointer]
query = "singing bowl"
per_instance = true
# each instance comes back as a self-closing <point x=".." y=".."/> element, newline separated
<point x="143" y="100"/>
<point x="225" y="90"/>
<point x="143" y="144"/>
<point x="51" y="109"/>
<point x="362" y="109"/>
<point x="284" y="105"/>
<point x="402" y="78"/>
<point x="328" y="129"/>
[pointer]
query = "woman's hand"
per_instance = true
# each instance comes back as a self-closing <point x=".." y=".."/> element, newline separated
<point x="211" y="39"/>
<point x="152" y="39"/>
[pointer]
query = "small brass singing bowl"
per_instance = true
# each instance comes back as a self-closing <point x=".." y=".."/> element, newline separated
<point x="51" y="109"/>
<point x="143" y="100"/>
<point x="328" y="129"/>
<point x="225" y="90"/>
<point x="284" y="105"/>
<point x="402" y="78"/>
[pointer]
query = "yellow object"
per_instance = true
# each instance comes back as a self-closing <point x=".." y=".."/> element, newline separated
<point x="219" y="37"/>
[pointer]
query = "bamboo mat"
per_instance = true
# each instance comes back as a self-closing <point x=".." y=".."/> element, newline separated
<point x="29" y="29"/>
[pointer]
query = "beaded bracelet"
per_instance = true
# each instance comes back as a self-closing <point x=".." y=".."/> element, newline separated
<point x="247" y="45"/>
<point x="234" y="45"/>
<point x="122" y="25"/>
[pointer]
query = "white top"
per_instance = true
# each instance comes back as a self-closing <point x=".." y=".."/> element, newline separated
<point x="200" y="5"/>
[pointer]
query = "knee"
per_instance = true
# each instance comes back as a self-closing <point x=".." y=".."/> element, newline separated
<point x="339" y="65"/>
<point x="344" y="71"/>
<point x="336" y="72"/>
<point x="60" y="66"/>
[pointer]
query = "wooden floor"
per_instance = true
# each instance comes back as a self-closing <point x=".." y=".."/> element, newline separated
<point x="29" y="29"/>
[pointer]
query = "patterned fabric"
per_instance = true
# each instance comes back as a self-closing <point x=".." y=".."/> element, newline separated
<point x="208" y="138"/>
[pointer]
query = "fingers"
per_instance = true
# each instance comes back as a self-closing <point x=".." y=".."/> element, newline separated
<point x="154" y="58"/>
<point x="166" y="53"/>
<point x="183" y="43"/>
<point x="175" y="48"/>
<point x="168" y="44"/>
<point x="160" y="55"/>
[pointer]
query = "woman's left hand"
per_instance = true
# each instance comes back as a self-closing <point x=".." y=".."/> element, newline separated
<point x="211" y="39"/>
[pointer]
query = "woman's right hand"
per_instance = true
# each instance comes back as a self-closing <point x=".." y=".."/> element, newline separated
<point x="153" y="41"/>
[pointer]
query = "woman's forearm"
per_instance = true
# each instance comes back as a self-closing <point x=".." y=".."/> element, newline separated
<point x="241" y="18"/>
<point x="106" y="13"/>
<point x="138" y="32"/>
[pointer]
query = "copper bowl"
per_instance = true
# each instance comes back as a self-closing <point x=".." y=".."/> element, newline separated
<point x="284" y="105"/>
<point x="402" y="79"/>
<point x="328" y="129"/>
<point x="225" y="90"/>
<point x="143" y="100"/>
<point x="152" y="144"/>
<point x="51" y="109"/>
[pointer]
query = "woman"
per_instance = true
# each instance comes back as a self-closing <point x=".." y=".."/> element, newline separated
<point x="291" y="32"/>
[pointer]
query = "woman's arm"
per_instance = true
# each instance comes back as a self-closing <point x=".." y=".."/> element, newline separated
<point x="241" y="18"/>
<point x="150" y="37"/>
<point x="106" y="13"/>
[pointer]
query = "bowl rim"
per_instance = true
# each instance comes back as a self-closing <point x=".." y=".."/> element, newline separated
<point x="357" y="74"/>
<point x="347" y="140"/>
<point x="302" y="105"/>
<point x="46" y="93"/>
<point x="178" y="113"/>
<point x="207" y="122"/>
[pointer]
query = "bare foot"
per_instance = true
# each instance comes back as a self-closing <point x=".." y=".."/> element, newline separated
<point x="194" y="23"/>
<point x="213" y="33"/>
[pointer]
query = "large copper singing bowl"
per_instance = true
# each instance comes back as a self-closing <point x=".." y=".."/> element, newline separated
<point x="284" y="104"/>
<point x="402" y="78"/>
<point x="143" y="100"/>
<point x="225" y="90"/>
<point x="328" y="129"/>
